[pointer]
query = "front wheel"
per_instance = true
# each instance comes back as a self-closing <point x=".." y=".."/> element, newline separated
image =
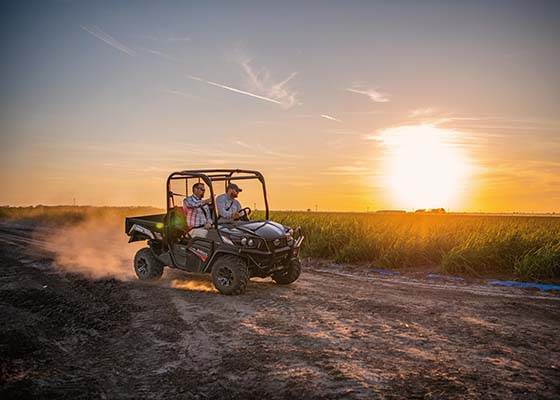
<point x="230" y="275"/>
<point x="288" y="275"/>
<point x="147" y="266"/>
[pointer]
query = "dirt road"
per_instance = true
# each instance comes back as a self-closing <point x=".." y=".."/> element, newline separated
<point x="335" y="333"/>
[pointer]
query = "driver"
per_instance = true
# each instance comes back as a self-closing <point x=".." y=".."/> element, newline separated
<point x="228" y="206"/>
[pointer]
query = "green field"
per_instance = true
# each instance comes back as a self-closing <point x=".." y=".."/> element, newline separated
<point x="527" y="248"/>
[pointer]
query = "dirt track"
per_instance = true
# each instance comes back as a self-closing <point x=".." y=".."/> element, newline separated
<point x="333" y="334"/>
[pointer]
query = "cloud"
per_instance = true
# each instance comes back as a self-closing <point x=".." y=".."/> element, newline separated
<point x="373" y="94"/>
<point x="350" y="170"/>
<point x="179" y="93"/>
<point x="263" y="150"/>
<point x="412" y="135"/>
<point x="260" y="82"/>
<point x="243" y="144"/>
<point x="235" y="90"/>
<point x="330" y="118"/>
<point x="366" y="112"/>
<point x="105" y="37"/>
<point x="422" y="112"/>
<point x="159" y="53"/>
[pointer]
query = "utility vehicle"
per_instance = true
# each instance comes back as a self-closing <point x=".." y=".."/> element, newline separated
<point x="231" y="252"/>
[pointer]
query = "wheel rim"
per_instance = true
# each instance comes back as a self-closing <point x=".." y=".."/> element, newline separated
<point x="142" y="267"/>
<point x="225" y="276"/>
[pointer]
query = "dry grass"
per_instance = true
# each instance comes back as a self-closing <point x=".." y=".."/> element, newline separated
<point x="525" y="247"/>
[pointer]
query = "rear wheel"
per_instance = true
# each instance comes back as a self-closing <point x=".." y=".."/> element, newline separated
<point x="230" y="275"/>
<point x="147" y="266"/>
<point x="288" y="275"/>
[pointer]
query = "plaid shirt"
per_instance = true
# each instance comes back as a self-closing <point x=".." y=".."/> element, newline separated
<point x="198" y="213"/>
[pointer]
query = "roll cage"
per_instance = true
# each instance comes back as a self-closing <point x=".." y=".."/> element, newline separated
<point x="209" y="176"/>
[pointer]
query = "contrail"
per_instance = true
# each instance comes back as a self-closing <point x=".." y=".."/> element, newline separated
<point x="234" y="89"/>
<point x="159" y="53"/>
<point x="330" y="118"/>
<point x="111" y="41"/>
<point x="373" y="94"/>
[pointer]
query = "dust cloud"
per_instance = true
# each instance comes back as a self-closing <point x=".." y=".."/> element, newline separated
<point x="96" y="248"/>
<point x="194" y="285"/>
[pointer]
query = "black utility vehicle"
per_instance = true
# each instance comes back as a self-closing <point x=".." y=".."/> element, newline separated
<point x="232" y="252"/>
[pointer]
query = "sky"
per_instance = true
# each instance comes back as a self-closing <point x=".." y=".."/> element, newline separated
<point x="343" y="106"/>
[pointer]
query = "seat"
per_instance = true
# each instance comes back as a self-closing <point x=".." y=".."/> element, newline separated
<point x="178" y="229"/>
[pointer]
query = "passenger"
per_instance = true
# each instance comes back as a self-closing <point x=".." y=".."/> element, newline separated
<point x="197" y="211"/>
<point x="228" y="206"/>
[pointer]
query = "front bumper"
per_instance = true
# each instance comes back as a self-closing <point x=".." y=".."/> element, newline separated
<point x="275" y="259"/>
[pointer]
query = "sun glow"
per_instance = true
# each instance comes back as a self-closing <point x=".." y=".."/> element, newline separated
<point x="424" y="166"/>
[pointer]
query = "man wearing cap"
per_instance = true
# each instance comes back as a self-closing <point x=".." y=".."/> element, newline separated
<point x="228" y="206"/>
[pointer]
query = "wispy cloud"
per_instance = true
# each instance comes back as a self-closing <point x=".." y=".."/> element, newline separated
<point x="159" y="54"/>
<point x="179" y="93"/>
<point x="350" y="170"/>
<point x="261" y="82"/>
<point x="345" y="132"/>
<point x="234" y="89"/>
<point x="365" y="112"/>
<point x="105" y="37"/>
<point x="413" y="134"/>
<point x="265" y="151"/>
<point x="373" y="94"/>
<point x="243" y="144"/>
<point x="422" y="112"/>
<point x="330" y="118"/>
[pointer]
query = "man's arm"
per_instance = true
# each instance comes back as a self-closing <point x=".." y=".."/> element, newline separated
<point x="238" y="205"/>
<point x="221" y="204"/>
<point x="193" y="202"/>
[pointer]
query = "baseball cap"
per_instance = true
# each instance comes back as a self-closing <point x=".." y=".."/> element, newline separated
<point x="234" y="187"/>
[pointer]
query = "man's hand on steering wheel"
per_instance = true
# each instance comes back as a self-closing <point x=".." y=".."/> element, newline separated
<point x="244" y="214"/>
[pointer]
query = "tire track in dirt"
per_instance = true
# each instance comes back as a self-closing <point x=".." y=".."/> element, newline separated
<point x="329" y="335"/>
<point x="338" y="337"/>
<point x="472" y="288"/>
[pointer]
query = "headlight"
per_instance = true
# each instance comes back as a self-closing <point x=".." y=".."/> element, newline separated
<point x="244" y="241"/>
<point x="250" y="243"/>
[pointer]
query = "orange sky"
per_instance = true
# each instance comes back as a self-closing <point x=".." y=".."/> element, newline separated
<point x="379" y="106"/>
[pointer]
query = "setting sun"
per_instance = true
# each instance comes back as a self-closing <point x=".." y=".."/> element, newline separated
<point x="424" y="168"/>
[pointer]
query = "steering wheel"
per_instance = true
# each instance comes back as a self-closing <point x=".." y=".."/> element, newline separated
<point x="244" y="214"/>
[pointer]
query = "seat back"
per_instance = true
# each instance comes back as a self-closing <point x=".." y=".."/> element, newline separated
<point x="177" y="223"/>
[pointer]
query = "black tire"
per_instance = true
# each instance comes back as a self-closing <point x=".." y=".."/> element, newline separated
<point x="289" y="275"/>
<point x="147" y="266"/>
<point x="230" y="274"/>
